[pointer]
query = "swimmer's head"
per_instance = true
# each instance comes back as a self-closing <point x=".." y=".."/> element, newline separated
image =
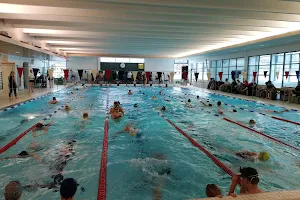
<point x="129" y="90"/>
<point x="219" y="103"/>
<point x="163" y="108"/>
<point x="54" y="98"/>
<point x="68" y="188"/>
<point x="209" y="105"/>
<point x="39" y="125"/>
<point x="135" y="105"/>
<point x="212" y="190"/>
<point x="234" y="110"/>
<point x="252" y="122"/>
<point x="67" y="106"/>
<point x="13" y="190"/>
<point x="198" y="97"/>
<point x="189" y="100"/>
<point x="85" y="115"/>
<point x="264" y="156"/>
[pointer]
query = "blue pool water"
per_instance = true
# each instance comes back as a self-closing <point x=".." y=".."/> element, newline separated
<point x="158" y="159"/>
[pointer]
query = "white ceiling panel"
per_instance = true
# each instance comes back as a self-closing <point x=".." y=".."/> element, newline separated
<point x="151" y="28"/>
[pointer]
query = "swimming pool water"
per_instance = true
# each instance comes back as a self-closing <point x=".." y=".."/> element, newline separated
<point x="158" y="159"/>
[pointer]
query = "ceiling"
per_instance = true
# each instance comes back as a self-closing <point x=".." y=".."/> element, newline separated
<point x="150" y="28"/>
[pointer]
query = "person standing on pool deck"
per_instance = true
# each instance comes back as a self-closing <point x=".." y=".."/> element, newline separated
<point x="248" y="179"/>
<point x="12" y="84"/>
<point x="31" y="81"/>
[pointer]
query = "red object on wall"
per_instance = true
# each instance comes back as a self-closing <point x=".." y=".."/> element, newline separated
<point x="66" y="73"/>
<point x="184" y="75"/>
<point x="287" y="75"/>
<point x="20" y="71"/>
<point x="148" y="75"/>
<point x="107" y="74"/>
<point x="254" y="75"/>
<point x="220" y="75"/>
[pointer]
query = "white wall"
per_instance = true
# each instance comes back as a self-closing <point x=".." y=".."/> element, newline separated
<point x="159" y="65"/>
<point x="87" y="63"/>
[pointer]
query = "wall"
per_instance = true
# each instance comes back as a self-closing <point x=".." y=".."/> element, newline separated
<point x="87" y="63"/>
<point x="159" y="64"/>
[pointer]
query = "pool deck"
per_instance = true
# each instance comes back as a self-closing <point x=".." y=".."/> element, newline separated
<point x="23" y="95"/>
<point x="282" y="195"/>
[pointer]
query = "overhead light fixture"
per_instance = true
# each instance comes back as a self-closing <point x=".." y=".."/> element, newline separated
<point x="60" y="42"/>
<point x="34" y="30"/>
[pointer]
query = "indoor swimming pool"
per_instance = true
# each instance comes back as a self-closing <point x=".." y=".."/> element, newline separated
<point x="158" y="159"/>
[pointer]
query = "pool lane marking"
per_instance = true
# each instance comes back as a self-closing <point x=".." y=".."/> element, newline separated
<point x="14" y="141"/>
<point x="246" y="127"/>
<point x="245" y="109"/>
<point x="30" y="100"/>
<point x="103" y="165"/>
<point x="201" y="148"/>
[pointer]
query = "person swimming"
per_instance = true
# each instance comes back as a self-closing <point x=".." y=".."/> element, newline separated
<point x="85" y="116"/>
<point x="54" y="101"/>
<point x="163" y="108"/>
<point x="128" y="129"/>
<point x="116" y="112"/>
<point x="208" y="105"/>
<point x="129" y="92"/>
<point x="41" y="127"/>
<point x="252" y="122"/>
<point x="135" y="105"/>
<point x="220" y="111"/>
<point x="252" y="156"/>
<point x="198" y="97"/>
<point x="67" y="107"/>
<point x="275" y="111"/>
<point x="154" y="98"/>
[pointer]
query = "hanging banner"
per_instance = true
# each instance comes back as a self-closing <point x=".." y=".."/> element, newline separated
<point x="80" y="71"/>
<point x="265" y="73"/>
<point x="107" y="74"/>
<point x="171" y="77"/>
<point x="185" y="75"/>
<point x="148" y="76"/>
<point x="50" y="73"/>
<point x="233" y="75"/>
<point x="35" y="71"/>
<point x="254" y="76"/>
<point x="159" y="76"/>
<point x="196" y="76"/>
<point x="20" y="71"/>
<point x="287" y="75"/>
<point x="66" y="73"/>
<point x="208" y="74"/>
<point x="277" y="75"/>
<point x="134" y="75"/>
<point x="244" y="75"/>
<point x="297" y="74"/>
<point x="220" y="75"/>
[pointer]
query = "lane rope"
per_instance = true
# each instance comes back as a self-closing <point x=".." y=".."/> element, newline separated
<point x="14" y="141"/>
<point x="103" y="165"/>
<point x="201" y="148"/>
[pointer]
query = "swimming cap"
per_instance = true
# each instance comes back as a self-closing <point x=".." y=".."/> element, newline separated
<point x="13" y="190"/>
<point x="264" y="156"/>
<point x="68" y="188"/>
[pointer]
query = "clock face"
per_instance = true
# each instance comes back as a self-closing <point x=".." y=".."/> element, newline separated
<point x="122" y="65"/>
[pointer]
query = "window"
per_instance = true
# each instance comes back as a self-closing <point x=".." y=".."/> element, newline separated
<point x="276" y="73"/>
<point x="213" y="69"/>
<point x="291" y="65"/>
<point x="181" y="61"/>
<point x="122" y="60"/>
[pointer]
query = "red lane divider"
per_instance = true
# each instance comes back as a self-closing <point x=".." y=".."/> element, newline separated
<point x="14" y="141"/>
<point x="211" y="156"/>
<point x="103" y="166"/>
<point x="285" y="120"/>
<point x="265" y="135"/>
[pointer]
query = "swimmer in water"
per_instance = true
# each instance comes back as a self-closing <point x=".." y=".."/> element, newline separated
<point x="252" y="156"/>
<point x="220" y="111"/>
<point x="85" y="116"/>
<point x="128" y="129"/>
<point x="252" y="123"/>
<point x="67" y="107"/>
<point x="233" y="110"/>
<point x="163" y="108"/>
<point x="116" y="112"/>
<point x="275" y="111"/>
<point x="154" y="98"/>
<point x="198" y="97"/>
<point x="207" y="105"/>
<point x="41" y="127"/>
<point x="54" y="101"/>
<point x="135" y="105"/>
<point x="129" y="92"/>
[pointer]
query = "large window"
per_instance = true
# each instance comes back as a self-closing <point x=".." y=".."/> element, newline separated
<point x="201" y="68"/>
<point x="274" y="68"/>
<point x="227" y="66"/>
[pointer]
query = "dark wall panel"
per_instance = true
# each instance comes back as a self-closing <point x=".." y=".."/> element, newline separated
<point x="116" y="67"/>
